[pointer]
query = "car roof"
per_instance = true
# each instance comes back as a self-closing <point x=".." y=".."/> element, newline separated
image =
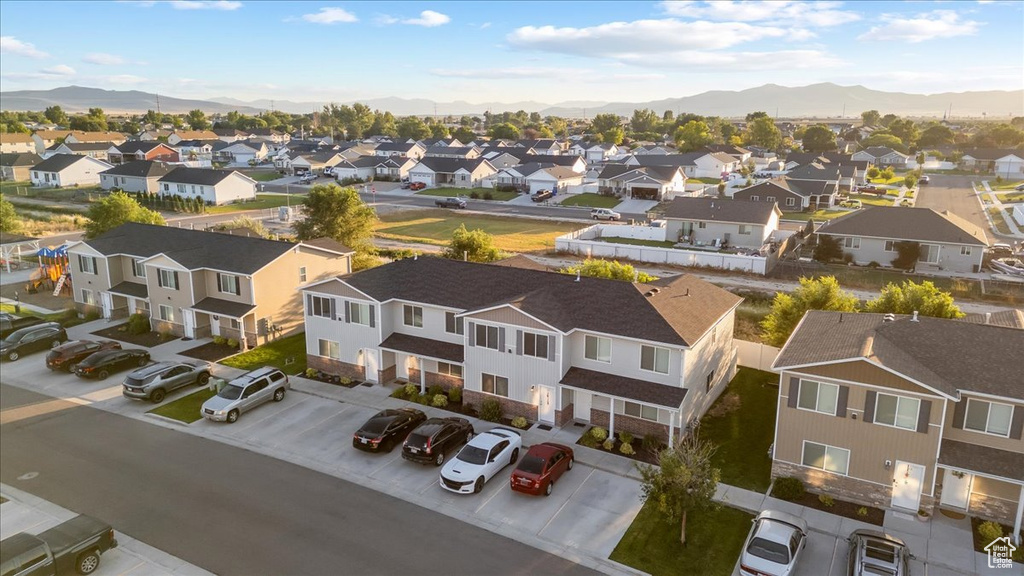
<point x="252" y="375"/>
<point x="34" y="327"/>
<point x="545" y="450"/>
<point x="778" y="526"/>
<point x="156" y="368"/>
<point x="490" y="438"/>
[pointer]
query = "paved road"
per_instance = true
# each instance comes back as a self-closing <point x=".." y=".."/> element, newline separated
<point x="232" y="511"/>
<point x="954" y="193"/>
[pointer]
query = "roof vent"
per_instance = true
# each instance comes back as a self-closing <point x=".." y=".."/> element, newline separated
<point x="687" y="292"/>
<point x="914" y="319"/>
<point x="890" y="317"/>
<point x="577" y="275"/>
<point x="988" y="317"/>
<point x="652" y="292"/>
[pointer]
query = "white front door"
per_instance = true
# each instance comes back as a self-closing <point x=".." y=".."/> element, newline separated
<point x="188" y="319"/>
<point x="907" y="481"/>
<point x="370" y="364"/>
<point x="546" y="405"/>
<point x="956" y="490"/>
<point x="107" y="302"/>
<point x="214" y="326"/>
<point x="581" y="405"/>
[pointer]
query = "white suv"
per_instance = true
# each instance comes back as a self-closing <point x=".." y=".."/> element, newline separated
<point x="605" y="214"/>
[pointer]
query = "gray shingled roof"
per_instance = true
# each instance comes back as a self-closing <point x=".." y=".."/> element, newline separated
<point x="986" y="459"/>
<point x="58" y="162"/>
<point x="204" y="176"/>
<point x="622" y="387"/>
<point x="449" y="165"/>
<point x="916" y="224"/>
<point x="139" y="168"/>
<point x="424" y="347"/>
<point x="717" y="209"/>
<point x="133" y="146"/>
<point x="1009" y="318"/>
<point x="20" y="159"/>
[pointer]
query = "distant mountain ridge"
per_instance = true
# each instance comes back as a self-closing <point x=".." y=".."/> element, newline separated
<point x="816" y="100"/>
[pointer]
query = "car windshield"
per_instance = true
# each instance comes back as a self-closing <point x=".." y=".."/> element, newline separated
<point x="473" y="455"/>
<point x="375" y="425"/>
<point x="531" y="465"/>
<point x="768" y="550"/>
<point x="230" y="392"/>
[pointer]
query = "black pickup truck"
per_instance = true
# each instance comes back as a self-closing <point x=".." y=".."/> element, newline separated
<point x="74" y="546"/>
<point x="450" y="202"/>
<point x="9" y="323"/>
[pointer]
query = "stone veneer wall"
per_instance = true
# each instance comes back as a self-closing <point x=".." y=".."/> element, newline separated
<point x="336" y="367"/>
<point x="434" y="379"/>
<point x="510" y="408"/>
<point x="991" y="508"/>
<point x="387" y="374"/>
<point x="636" y="426"/>
<point x="843" y="487"/>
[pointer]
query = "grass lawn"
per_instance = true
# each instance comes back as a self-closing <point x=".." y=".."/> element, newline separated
<point x="872" y="199"/>
<point x="274" y="354"/>
<point x="706" y="180"/>
<point x="185" y="409"/>
<point x="713" y="542"/>
<point x="741" y="423"/>
<point x="262" y="201"/>
<point x="997" y="220"/>
<point x="639" y="242"/>
<point x="264" y="176"/>
<point x="817" y="215"/>
<point x="894" y="180"/>
<point x="591" y="201"/>
<point x="8" y="187"/>
<point x="436" y="227"/>
<point x="449" y="192"/>
<point x="1004" y="185"/>
<point x="1007" y="197"/>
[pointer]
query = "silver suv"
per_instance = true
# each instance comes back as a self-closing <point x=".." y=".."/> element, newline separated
<point x="245" y="393"/>
<point x="874" y="552"/>
<point x="605" y="214"/>
<point x="153" y="382"/>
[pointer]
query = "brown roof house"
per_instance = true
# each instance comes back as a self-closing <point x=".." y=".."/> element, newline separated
<point x="904" y="412"/>
<point x="16" y="143"/>
<point x="198" y="284"/>
<point x="550" y="347"/>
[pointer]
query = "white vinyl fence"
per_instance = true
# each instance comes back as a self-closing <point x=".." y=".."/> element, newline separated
<point x="755" y="354"/>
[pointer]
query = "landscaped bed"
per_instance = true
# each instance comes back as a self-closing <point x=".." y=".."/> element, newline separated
<point x="326" y="378"/>
<point x="591" y="201"/>
<point x="436" y="227"/>
<point x="452" y="402"/>
<point x="792" y="490"/>
<point x="481" y="193"/>
<point x="211" y="352"/>
<point x="980" y="541"/>
<point x="288" y="354"/>
<point x="644" y="450"/>
<point x="185" y="409"/>
<point x="145" y="340"/>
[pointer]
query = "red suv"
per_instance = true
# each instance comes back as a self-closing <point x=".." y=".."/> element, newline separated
<point x="417" y="186"/>
<point x="541" y="467"/>
<point x="65" y="356"/>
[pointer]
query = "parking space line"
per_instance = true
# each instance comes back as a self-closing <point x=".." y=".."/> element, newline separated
<point x="564" y="504"/>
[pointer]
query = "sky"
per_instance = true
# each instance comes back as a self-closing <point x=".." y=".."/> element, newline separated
<point x="547" y="52"/>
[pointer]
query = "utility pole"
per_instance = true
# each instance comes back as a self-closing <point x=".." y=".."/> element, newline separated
<point x="157" y="103"/>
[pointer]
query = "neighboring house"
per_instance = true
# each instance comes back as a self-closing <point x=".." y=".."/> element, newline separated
<point x="948" y="242"/>
<point x="409" y="149"/>
<point x="430" y="142"/>
<point x="845" y="176"/>
<point x="230" y="134"/>
<point x="16" y="143"/>
<point x="553" y="348"/>
<point x="43" y="139"/>
<point x="882" y="156"/>
<point x="455" y="172"/>
<point x="195" y="151"/>
<point x="715" y="165"/>
<point x="792" y="195"/>
<point x="141" y="150"/>
<point x="501" y="158"/>
<point x="214" y="187"/>
<point x="555" y="178"/>
<point x="154" y="135"/>
<point x="542" y="146"/>
<point x="79" y="137"/>
<point x="135" y="176"/>
<point x="363" y="167"/>
<point x="594" y="152"/>
<point x="315" y="162"/>
<point x="270" y="135"/>
<point x="702" y="221"/>
<point x="641" y="182"/>
<point x="738" y="153"/>
<point x="97" y="150"/>
<point x="652" y="149"/>
<point x="17" y="165"/>
<point x="67" y="170"/>
<point x="1013" y="318"/>
<point x="199" y="284"/>
<point x="394" y="168"/>
<point x="686" y="162"/>
<point x="576" y="163"/>
<point x="442" y="151"/>
<point x="179" y="136"/>
<point x="904" y="412"/>
<point x="241" y="151"/>
<point x="1003" y="162"/>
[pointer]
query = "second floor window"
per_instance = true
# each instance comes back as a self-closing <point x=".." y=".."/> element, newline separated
<point x="535" y="345"/>
<point x="598" y="348"/>
<point x="168" y="279"/>
<point x="87" y="264"/>
<point x="359" y="313"/>
<point x="412" y="316"/>
<point x="302" y="274"/>
<point x="988" y="417"/>
<point x="654" y="359"/>
<point x="320" y="306"/>
<point x="818" y="397"/>
<point x="138" y="269"/>
<point x="453" y="324"/>
<point x="898" y="411"/>
<point x="487" y="336"/>
<point x="228" y="284"/>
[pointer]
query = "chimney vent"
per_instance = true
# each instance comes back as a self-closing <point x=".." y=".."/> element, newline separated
<point x="988" y="317"/>
<point x="687" y="291"/>
<point x="652" y="292"/>
<point x="890" y="317"/>
<point x="914" y="319"/>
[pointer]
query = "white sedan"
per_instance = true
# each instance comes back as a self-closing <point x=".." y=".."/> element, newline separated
<point x="477" y="462"/>
<point x="773" y="545"/>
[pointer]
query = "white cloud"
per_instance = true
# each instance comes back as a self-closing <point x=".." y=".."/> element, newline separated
<point x="103" y="59"/>
<point x="782" y="11"/>
<point x="205" y="5"/>
<point x="59" y="70"/>
<point x="922" y="27"/>
<point x="485" y="25"/>
<point x="11" y="45"/>
<point x="330" y="16"/>
<point x="428" y="18"/>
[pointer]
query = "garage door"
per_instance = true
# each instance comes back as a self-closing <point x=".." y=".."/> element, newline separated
<point x="645" y="193"/>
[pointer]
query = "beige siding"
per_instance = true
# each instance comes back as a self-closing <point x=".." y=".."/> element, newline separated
<point x="202" y="290"/>
<point x="981" y="438"/>
<point x="116" y="269"/>
<point x="127" y="273"/>
<point x="339" y="289"/>
<point x="861" y="371"/>
<point x="507" y="315"/>
<point x="277" y="285"/>
<point x="207" y="285"/>
<point x="995" y="488"/>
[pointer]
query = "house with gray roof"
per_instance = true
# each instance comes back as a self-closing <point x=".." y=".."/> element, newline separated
<point x="642" y="182"/>
<point x="703" y="221"/>
<point x="135" y="176"/>
<point x="550" y="347"/>
<point x="62" y="170"/>
<point x="141" y="150"/>
<point x="16" y="165"/>
<point x="792" y="195"/>
<point x="1008" y="163"/>
<point x="413" y="150"/>
<point x="454" y="172"/>
<point x="97" y="150"/>
<point x="882" y="156"/>
<point x="212" y="186"/>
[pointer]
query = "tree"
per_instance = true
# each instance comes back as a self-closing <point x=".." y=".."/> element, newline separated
<point x="906" y="130"/>
<point x="936" y="135"/>
<point x="256" y="227"/>
<point x="910" y="180"/>
<point x="755" y="115"/>
<point x="684" y="480"/>
<point x="910" y="297"/>
<point x="473" y="245"/>
<point x="115" y="210"/>
<point x="94" y="121"/>
<point x="645" y="120"/>
<point x="873" y="172"/>
<point x="693" y="136"/>
<point x="10" y="222"/>
<point x="438" y="130"/>
<point x="907" y="254"/>
<point x="384" y="124"/>
<point x="819" y="138"/>
<point x="883" y="139"/>
<point x="56" y="115"/>
<point x="464" y="135"/>
<point x="871" y="117"/>
<point x="413" y="127"/>
<point x="338" y="213"/>
<point x="604" y="122"/>
<point x="558" y="125"/>
<point x="614" y="135"/>
<point x="828" y="249"/>
<point x="504" y="131"/>
<point x="813" y="294"/>
<point x="609" y="269"/>
<point x="763" y="132"/>
<point x="197" y="119"/>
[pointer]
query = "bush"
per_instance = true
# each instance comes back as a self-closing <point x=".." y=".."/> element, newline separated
<point x="989" y="531"/>
<point x="490" y="410"/>
<point x="626" y="449"/>
<point x="474" y="195"/>
<point x="345" y="380"/>
<point x="488" y="196"/>
<point x="788" y="488"/>
<point x="625" y="437"/>
<point x="862" y="511"/>
<point x="455" y="394"/>
<point x="588" y="441"/>
<point x="439" y="401"/>
<point x="219" y="340"/>
<point x="92" y="315"/>
<point x="520" y="422"/>
<point x="137" y="324"/>
<point x="232" y="343"/>
<point x="166" y="335"/>
<point x="826" y="500"/>
<point x="651" y="442"/>
<point x="609" y="444"/>
<point x="435" y="390"/>
<point x="310" y="372"/>
<point x="873" y="264"/>
<point x="411" y="390"/>
<point x="599" y="433"/>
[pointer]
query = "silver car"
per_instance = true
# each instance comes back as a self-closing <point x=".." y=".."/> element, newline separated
<point x="605" y="214"/>
<point x="245" y="393"/>
<point x="874" y="552"/>
<point x="153" y="382"/>
<point x="773" y="545"/>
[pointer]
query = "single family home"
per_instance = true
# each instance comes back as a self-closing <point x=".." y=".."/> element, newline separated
<point x="882" y="156"/>
<point x="792" y="195"/>
<point x="141" y="150"/>
<point x="214" y="187"/>
<point x="16" y="166"/>
<point x="135" y="176"/>
<point x="454" y="172"/>
<point x="703" y="221"/>
<point x="62" y="170"/>
<point x="16" y="143"/>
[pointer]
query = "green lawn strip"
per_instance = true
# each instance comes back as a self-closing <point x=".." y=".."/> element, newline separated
<point x="274" y="354"/>
<point x="1008" y="197"/>
<point x="713" y="542"/>
<point x="185" y="409"/>
<point x="997" y="220"/>
<point x="638" y="242"/>
<point x="1004" y="185"/>
<point x="742" y="423"/>
<point x="706" y="180"/>
<point x="264" y="176"/>
<point x="872" y="199"/>
<point x="262" y="202"/>
<point x="591" y="201"/>
<point x="817" y="215"/>
<point x="436" y="227"/>
<point x="893" y="180"/>
<point x="466" y="192"/>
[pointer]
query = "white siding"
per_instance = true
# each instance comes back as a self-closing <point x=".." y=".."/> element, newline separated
<point x="522" y="371"/>
<point x="433" y="322"/>
<point x="351" y="337"/>
<point x="625" y="360"/>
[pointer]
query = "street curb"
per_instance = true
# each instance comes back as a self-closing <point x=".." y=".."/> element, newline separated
<point x="165" y="419"/>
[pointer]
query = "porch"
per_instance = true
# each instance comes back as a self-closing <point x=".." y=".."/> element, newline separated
<point x="213" y="317"/>
<point x="424" y="361"/>
<point x="982" y="481"/>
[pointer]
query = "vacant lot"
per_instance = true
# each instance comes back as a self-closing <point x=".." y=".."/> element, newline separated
<point x="591" y="201"/>
<point x="437" y="226"/>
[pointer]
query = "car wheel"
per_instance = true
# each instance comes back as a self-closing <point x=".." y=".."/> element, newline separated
<point x="388" y="446"/>
<point x="88" y="562"/>
<point x="232" y="416"/>
<point x="13" y="356"/>
<point x="439" y="459"/>
<point x="547" y="489"/>
<point x="569" y="465"/>
<point x="102" y="375"/>
<point x="55" y="343"/>
<point x="69" y="367"/>
<point x="157" y="396"/>
<point x="278" y="394"/>
<point x="479" y="485"/>
<point x="203" y="379"/>
<point x="515" y="456"/>
<point x="142" y="361"/>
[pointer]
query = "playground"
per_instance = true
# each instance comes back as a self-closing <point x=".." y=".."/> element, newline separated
<point x="33" y="282"/>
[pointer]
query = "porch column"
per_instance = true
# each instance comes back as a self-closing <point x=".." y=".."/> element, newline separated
<point x="671" y="428"/>
<point x="243" y="342"/>
<point x="423" y="375"/>
<point x="611" y="417"/>
<point x="1020" y="514"/>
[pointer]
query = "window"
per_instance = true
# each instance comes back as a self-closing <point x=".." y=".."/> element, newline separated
<point x="302" y="273"/>
<point x="166" y="313"/>
<point x="818" y="397"/>
<point x="228" y="284"/>
<point x="167" y="187"/>
<point x="88" y="297"/>
<point x="702" y="225"/>
<point x="640" y="411"/>
<point x="330" y="349"/>
<point x="890" y="246"/>
<point x="710" y="381"/>
<point x="168" y="279"/>
<point x="234" y="323"/>
<point x="182" y="188"/>
<point x="851" y="242"/>
<point x="828" y="458"/>
<point x="138" y="269"/>
<point x="790" y="201"/>
<point x="359" y="313"/>
<point x="87" y="264"/>
<point x="535" y="345"/>
<point x="193" y="188"/>
<point x="755" y="198"/>
<point x="487" y="336"/>
<point x="654" y="359"/>
<point x="988" y="417"/>
<point x="965" y="250"/>
<point x="598" y="348"/>
<point x="898" y="411"/>
<point x="769" y="198"/>
<point x="491" y="384"/>
<point x="454" y="324"/>
<point x="413" y="316"/>
<point x="744" y="229"/>
<point x="453" y="370"/>
<point x="320" y="306"/>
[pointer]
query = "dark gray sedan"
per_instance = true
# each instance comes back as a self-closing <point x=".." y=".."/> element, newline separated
<point x="153" y="382"/>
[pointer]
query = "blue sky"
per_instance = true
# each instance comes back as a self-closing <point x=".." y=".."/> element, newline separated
<point x="507" y="51"/>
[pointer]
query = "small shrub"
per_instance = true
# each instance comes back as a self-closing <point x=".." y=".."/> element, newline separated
<point x="474" y="195"/>
<point x="599" y="433"/>
<point x="310" y="372"/>
<point x="989" y="531"/>
<point x="439" y="401"/>
<point x="862" y="511"/>
<point x="435" y="390"/>
<point x="345" y="380"/>
<point x="520" y="422"/>
<point x="166" y="335"/>
<point x="625" y="437"/>
<point x="626" y="449"/>
<point x="411" y="390"/>
<point x="490" y="410"/>
<point x="137" y="324"/>
<point x="219" y="340"/>
<point x="651" y="442"/>
<point x="826" y="500"/>
<point x="788" y="488"/>
<point x="609" y="444"/>
<point x="455" y="394"/>
<point x="232" y="343"/>
<point x="588" y="441"/>
<point x="468" y="408"/>
<point x="488" y="196"/>
<point x="873" y="264"/>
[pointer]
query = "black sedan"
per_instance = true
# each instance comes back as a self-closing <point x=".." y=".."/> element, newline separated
<point x="103" y="364"/>
<point x="32" y="339"/>
<point x="435" y="438"/>
<point x="387" y="428"/>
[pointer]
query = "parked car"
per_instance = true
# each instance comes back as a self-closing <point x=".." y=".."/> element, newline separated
<point x="307" y="178"/>
<point x="387" y="428"/>
<point x="541" y="195"/>
<point x="773" y="545"/>
<point x="32" y="339"/>
<point x="65" y="356"/>
<point x="245" y="393"/>
<point x="480" y="459"/>
<point x="605" y="214"/>
<point x="450" y="202"/>
<point x="406" y="185"/>
<point x="432" y="440"/>
<point x="924" y="179"/>
<point x="102" y="364"/>
<point x="155" y="381"/>
<point x="9" y="323"/>
<point x="874" y="552"/>
<point x="1019" y="188"/>
<point x="541" y="467"/>
<point x="417" y="186"/>
<point x="73" y="546"/>
<point x="852" y="204"/>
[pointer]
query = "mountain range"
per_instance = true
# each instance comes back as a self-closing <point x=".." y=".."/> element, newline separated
<point x="817" y="100"/>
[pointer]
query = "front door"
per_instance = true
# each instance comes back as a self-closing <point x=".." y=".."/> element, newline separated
<point x="907" y="481"/>
<point x="188" y="319"/>
<point x="215" y="326"/>
<point x="546" y="405"/>
<point x="107" y="302"/>
<point x="370" y="364"/>
<point x="956" y="489"/>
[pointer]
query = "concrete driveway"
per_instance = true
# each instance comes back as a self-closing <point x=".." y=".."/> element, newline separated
<point x="954" y="193"/>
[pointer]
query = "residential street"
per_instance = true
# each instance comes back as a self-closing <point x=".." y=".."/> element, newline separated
<point x="233" y="511"/>
<point x="954" y="193"/>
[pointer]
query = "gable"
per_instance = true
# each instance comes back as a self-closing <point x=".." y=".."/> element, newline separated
<point x="163" y="261"/>
<point x="863" y="371"/>
<point x="337" y="287"/>
<point x="509" y="315"/>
